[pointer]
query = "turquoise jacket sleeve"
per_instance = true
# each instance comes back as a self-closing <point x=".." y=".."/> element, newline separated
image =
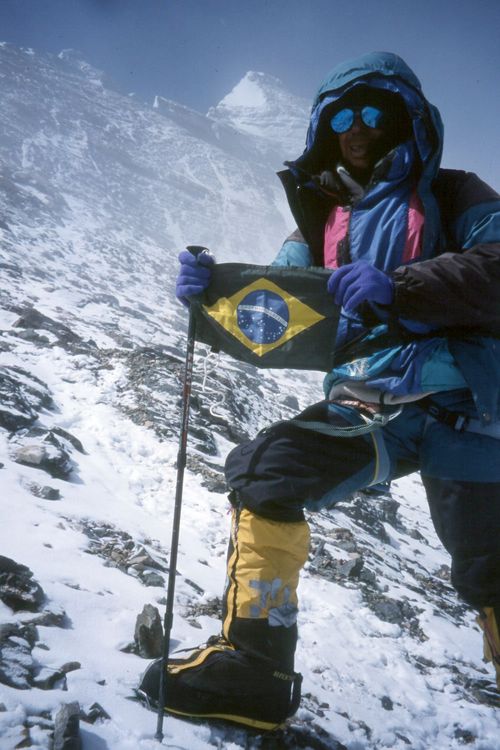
<point x="294" y="252"/>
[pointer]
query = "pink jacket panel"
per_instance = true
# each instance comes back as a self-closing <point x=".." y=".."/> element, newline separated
<point x="336" y="228"/>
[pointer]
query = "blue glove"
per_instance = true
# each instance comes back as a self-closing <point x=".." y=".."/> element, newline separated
<point x="360" y="282"/>
<point x="194" y="275"/>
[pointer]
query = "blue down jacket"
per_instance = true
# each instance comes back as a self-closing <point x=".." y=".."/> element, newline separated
<point x="452" y="287"/>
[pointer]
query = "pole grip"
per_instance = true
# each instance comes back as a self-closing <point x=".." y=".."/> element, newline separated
<point x="197" y="250"/>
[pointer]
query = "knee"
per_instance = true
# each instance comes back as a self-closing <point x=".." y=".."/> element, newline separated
<point x="259" y="483"/>
<point x="477" y="580"/>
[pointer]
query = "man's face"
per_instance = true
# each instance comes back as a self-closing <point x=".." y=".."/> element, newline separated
<point x="362" y="146"/>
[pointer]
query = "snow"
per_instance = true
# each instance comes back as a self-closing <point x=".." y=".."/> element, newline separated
<point x="106" y="199"/>
<point x="349" y="658"/>
<point x="247" y="93"/>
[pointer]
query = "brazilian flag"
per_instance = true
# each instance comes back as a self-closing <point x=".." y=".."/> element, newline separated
<point x="269" y="316"/>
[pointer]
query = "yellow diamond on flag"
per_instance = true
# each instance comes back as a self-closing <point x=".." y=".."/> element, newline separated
<point x="262" y="316"/>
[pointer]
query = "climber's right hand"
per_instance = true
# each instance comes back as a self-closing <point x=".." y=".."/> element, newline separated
<point x="194" y="275"/>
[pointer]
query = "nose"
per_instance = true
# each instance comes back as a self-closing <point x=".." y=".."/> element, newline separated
<point x="357" y="124"/>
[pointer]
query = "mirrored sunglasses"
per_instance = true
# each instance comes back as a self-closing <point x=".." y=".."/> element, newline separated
<point x="343" y="121"/>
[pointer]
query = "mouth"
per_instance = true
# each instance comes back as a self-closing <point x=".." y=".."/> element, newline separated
<point x="360" y="150"/>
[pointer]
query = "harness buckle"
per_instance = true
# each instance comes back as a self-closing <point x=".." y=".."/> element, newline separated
<point x="461" y="423"/>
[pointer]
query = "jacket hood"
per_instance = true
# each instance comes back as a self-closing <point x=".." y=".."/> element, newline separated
<point x="388" y="72"/>
<point x="374" y="63"/>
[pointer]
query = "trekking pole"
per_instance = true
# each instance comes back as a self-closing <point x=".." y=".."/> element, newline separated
<point x="174" y="545"/>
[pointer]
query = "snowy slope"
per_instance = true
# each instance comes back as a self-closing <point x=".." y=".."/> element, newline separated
<point x="98" y="193"/>
<point x="109" y="190"/>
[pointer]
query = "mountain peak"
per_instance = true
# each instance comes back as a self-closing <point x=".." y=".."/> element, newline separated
<point x="254" y="91"/>
<point x="260" y="105"/>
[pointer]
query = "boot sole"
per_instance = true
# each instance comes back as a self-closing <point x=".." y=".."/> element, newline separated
<point x="152" y="705"/>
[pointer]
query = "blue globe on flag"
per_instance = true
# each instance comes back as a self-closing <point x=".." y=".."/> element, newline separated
<point x="263" y="316"/>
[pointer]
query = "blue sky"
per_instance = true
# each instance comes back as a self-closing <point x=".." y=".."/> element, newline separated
<point x="195" y="51"/>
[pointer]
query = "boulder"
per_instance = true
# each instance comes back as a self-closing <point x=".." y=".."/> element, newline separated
<point x="148" y="635"/>
<point x="67" y="727"/>
<point x="43" y="491"/>
<point x="18" y="590"/>
<point x="49" y="450"/>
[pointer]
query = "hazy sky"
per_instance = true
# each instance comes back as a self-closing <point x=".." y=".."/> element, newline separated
<point x="195" y="51"/>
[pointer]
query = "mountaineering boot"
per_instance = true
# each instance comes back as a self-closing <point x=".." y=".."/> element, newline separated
<point x="489" y="622"/>
<point x="245" y="675"/>
<point x="260" y="599"/>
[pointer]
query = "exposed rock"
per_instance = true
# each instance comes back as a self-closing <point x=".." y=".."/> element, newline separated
<point x="49" y="618"/>
<point x="128" y="648"/>
<point x="68" y="438"/>
<point x="17" y="667"/>
<point x="209" y="608"/>
<point x="194" y="585"/>
<point x="372" y="512"/>
<point x="152" y="386"/>
<point x="334" y="569"/>
<point x="26" y="631"/>
<point x="93" y="713"/>
<point x="18" y="590"/>
<point x="34" y="320"/>
<point x="148" y="635"/>
<point x="48" y="679"/>
<point x="22" y="397"/>
<point x="40" y="457"/>
<point x="212" y="478"/>
<point x="386" y="609"/>
<point x="119" y="550"/>
<point x="43" y="491"/>
<point x="67" y="727"/>
<point x="16" y="663"/>
<point x="387" y="703"/>
<point x="403" y="738"/>
<point x="26" y="739"/>
<point x="48" y="450"/>
<point x="70" y="666"/>
<point x="349" y="566"/>
<point x="344" y="539"/>
<point x="142" y="559"/>
<point x="464" y="736"/>
<point x="33" y="337"/>
<point x="444" y="573"/>
<point x="153" y="579"/>
<point x="398" y="612"/>
<point x="226" y="402"/>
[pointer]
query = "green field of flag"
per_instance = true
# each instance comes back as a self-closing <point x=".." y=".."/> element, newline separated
<point x="271" y="317"/>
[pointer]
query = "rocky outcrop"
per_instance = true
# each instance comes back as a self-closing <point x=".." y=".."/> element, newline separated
<point x="47" y="449"/>
<point x="18" y="589"/>
<point x="120" y="550"/>
<point x="22" y="398"/>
